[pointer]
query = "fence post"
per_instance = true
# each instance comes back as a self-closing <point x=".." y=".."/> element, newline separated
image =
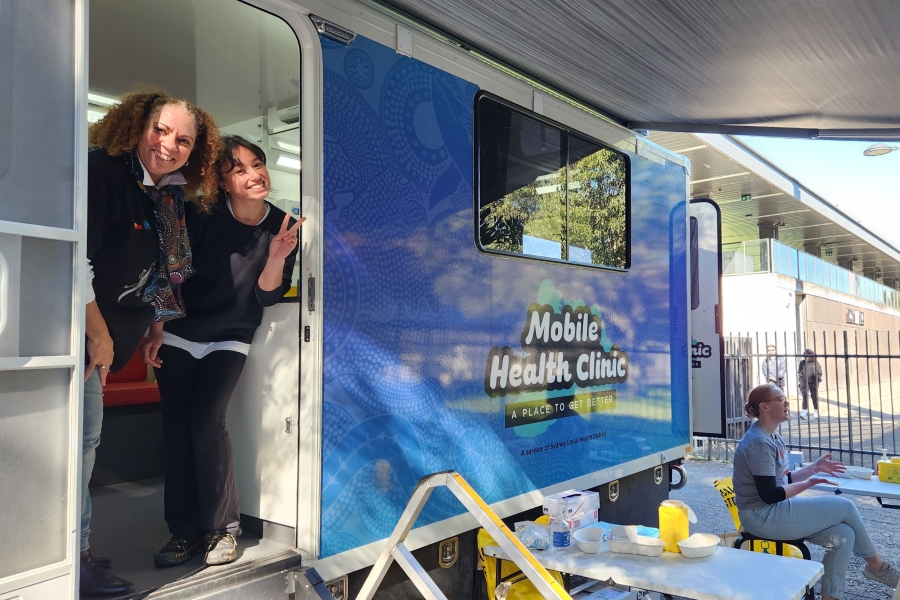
<point x="849" y="404"/>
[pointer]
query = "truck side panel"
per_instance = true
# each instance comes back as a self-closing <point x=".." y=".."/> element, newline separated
<point x="413" y="310"/>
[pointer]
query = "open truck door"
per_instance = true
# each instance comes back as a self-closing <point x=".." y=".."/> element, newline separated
<point x="42" y="271"/>
<point x="707" y="340"/>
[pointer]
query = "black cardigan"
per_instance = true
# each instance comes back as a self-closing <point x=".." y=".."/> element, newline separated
<point x="123" y="247"/>
<point x="223" y="300"/>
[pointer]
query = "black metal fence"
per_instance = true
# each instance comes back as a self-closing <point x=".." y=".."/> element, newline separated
<point x="858" y="395"/>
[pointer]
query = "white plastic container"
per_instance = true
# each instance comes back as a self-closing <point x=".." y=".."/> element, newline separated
<point x="699" y="545"/>
<point x="859" y="472"/>
<point x="589" y="540"/>
<point x="625" y="540"/>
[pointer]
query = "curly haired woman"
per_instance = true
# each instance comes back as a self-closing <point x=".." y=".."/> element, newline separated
<point x="147" y="152"/>
<point x="765" y="494"/>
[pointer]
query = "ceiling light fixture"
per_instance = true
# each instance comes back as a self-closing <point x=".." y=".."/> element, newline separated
<point x="287" y="161"/>
<point x="292" y="148"/>
<point x="101" y="100"/>
<point x="721" y="177"/>
<point x="879" y="149"/>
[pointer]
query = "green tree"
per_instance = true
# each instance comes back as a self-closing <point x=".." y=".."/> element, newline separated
<point x="597" y="185"/>
<point x="596" y="210"/>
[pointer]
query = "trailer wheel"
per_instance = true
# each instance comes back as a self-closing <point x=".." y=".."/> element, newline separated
<point x="682" y="477"/>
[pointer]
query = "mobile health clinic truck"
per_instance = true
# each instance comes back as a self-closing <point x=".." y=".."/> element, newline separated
<point x="493" y="279"/>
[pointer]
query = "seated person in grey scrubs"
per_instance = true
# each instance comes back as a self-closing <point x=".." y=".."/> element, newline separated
<point x="765" y="494"/>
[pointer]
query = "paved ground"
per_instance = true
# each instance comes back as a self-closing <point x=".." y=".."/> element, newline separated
<point x="713" y="517"/>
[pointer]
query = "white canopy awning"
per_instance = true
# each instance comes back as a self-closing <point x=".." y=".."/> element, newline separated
<point x="798" y="68"/>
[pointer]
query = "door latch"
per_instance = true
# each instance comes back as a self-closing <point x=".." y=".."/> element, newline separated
<point x="311" y="294"/>
<point x="288" y="425"/>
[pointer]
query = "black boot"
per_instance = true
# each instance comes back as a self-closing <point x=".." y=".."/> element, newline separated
<point x="97" y="582"/>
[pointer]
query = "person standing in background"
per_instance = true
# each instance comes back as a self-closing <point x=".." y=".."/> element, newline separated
<point x="774" y="368"/>
<point x="144" y="152"/>
<point x="810" y="375"/>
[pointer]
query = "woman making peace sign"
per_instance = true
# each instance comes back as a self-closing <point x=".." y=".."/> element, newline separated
<point x="244" y="253"/>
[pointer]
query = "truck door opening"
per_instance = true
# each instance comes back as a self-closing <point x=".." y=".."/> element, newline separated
<point x="241" y="65"/>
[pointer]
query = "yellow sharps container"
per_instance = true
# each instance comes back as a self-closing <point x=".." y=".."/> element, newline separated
<point x="674" y="523"/>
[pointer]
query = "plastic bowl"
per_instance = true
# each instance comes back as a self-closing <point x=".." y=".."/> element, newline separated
<point x="643" y="546"/>
<point x="699" y="545"/>
<point x="859" y="472"/>
<point x="589" y="539"/>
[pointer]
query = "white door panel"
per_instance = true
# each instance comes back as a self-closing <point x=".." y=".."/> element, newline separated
<point x="707" y="344"/>
<point x="42" y="261"/>
<point x="262" y="419"/>
<point x="51" y="589"/>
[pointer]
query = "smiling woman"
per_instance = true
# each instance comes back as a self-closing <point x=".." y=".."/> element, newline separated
<point x="168" y="134"/>
<point x="245" y="254"/>
<point x="138" y="253"/>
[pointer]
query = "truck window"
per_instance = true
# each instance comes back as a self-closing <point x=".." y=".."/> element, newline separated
<point x="547" y="192"/>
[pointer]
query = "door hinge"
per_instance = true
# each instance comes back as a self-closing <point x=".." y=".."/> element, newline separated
<point x="718" y="318"/>
<point x="332" y="31"/>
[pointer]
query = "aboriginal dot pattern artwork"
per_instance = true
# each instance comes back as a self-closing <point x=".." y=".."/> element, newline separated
<point x="412" y="309"/>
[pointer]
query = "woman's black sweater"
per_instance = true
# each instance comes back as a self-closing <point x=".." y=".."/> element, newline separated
<point x="123" y="247"/>
<point x="223" y="300"/>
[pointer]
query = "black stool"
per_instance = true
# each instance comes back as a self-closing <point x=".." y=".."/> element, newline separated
<point x="746" y="536"/>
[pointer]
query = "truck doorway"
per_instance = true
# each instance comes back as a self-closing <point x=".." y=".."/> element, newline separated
<point x="241" y="65"/>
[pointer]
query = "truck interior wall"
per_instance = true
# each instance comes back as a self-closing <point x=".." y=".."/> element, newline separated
<point x="132" y="447"/>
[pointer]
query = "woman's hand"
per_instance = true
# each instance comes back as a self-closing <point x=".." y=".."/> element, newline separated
<point x="150" y="346"/>
<point x="817" y="480"/>
<point x="99" y="343"/>
<point x="100" y="356"/>
<point x="831" y="467"/>
<point x="281" y="246"/>
<point x="285" y="241"/>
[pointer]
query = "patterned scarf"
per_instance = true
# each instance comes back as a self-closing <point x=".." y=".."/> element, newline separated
<point x="175" y="263"/>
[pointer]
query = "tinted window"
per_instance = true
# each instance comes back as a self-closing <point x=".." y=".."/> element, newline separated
<point x="547" y="192"/>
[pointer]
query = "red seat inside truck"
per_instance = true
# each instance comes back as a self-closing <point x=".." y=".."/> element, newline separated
<point x="130" y="385"/>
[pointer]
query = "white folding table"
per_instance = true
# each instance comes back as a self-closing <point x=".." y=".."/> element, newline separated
<point x="728" y="574"/>
<point x="862" y="487"/>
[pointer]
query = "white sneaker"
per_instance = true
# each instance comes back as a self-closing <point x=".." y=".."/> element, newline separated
<point x="888" y="575"/>
<point x="803" y="414"/>
<point x="221" y="549"/>
<point x="815" y="414"/>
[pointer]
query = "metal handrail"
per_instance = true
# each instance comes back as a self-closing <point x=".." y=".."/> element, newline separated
<point x="394" y="548"/>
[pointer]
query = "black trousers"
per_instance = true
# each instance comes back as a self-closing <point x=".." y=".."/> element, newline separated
<point x="201" y="492"/>
<point x="810" y="389"/>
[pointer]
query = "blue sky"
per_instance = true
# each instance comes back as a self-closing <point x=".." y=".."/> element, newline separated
<point x="867" y="188"/>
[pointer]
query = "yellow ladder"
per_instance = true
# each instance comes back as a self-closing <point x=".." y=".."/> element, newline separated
<point x="394" y="549"/>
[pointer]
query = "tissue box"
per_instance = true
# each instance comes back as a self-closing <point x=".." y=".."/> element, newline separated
<point x="578" y="521"/>
<point x="570" y="503"/>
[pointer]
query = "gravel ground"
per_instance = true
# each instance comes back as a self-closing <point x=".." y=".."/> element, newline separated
<point x="713" y="517"/>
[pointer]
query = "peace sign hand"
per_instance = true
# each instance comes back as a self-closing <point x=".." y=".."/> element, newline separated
<point x="285" y="240"/>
